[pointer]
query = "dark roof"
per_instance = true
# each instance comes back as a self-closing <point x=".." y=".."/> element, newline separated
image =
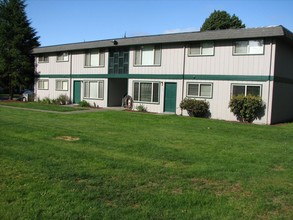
<point x="276" y="31"/>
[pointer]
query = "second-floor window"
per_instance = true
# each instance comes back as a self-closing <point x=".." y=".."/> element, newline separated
<point x="243" y="47"/>
<point x="201" y="49"/>
<point x="62" y="57"/>
<point x="148" y="55"/>
<point x="43" y="58"/>
<point x="95" y="58"/>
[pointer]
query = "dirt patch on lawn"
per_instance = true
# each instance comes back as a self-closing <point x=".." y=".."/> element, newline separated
<point x="67" y="138"/>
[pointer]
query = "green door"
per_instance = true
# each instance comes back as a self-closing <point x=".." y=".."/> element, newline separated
<point x="170" y="97"/>
<point x="76" y="92"/>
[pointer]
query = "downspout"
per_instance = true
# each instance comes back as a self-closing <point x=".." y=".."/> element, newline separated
<point x="70" y="78"/>
<point x="183" y="74"/>
<point x="270" y="75"/>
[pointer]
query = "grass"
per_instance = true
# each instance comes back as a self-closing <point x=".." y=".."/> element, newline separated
<point x="40" y="106"/>
<point x="128" y="165"/>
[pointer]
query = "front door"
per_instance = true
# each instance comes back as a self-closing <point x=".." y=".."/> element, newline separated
<point x="76" y="92"/>
<point x="170" y="97"/>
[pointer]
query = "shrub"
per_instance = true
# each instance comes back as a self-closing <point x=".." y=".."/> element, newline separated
<point x="247" y="108"/>
<point x="195" y="108"/>
<point x="141" y="108"/>
<point x="46" y="101"/>
<point x="84" y="103"/>
<point x="62" y="100"/>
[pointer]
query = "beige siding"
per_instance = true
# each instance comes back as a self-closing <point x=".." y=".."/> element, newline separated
<point x="79" y="68"/>
<point x="225" y="63"/>
<point x="53" y="67"/>
<point x="171" y="61"/>
<point x="221" y="96"/>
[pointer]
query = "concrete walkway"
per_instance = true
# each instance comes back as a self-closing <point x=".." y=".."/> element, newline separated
<point x="66" y="113"/>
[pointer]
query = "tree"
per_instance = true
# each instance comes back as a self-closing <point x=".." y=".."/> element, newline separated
<point x="219" y="20"/>
<point x="17" y="40"/>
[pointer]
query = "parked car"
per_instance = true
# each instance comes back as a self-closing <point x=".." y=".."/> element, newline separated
<point x="27" y="95"/>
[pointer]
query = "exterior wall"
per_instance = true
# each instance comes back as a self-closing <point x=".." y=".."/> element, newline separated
<point x="79" y="68"/>
<point x="171" y="61"/>
<point x="282" y="109"/>
<point x="225" y="63"/>
<point x="158" y="107"/>
<point x="222" y="70"/>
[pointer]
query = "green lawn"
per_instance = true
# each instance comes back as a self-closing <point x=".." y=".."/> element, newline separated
<point x="39" y="106"/>
<point x="127" y="165"/>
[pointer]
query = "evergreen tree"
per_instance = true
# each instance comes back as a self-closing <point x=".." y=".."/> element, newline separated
<point x="221" y="20"/>
<point x="17" y="40"/>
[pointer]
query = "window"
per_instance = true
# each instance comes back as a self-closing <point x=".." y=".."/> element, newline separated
<point x="249" y="47"/>
<point x="246" y="90"/>
<point x="95" y="58"/>
<point x="62" y="57"/>
<point x="94" y="89"/>
<point x="146" y="92"/>
<point x="43" y="58"/>
<point x="61" y="85"/>
<point x="43" y="84"/>
<point x="203" y="90"/>
<point x="201" y="49"/>
<point x="149" y="55"/>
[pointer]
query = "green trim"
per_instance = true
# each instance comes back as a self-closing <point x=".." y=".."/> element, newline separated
<point x="280" y="79"/>
<point x="169" y="76"/>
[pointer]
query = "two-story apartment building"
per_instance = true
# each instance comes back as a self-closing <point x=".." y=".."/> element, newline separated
<point x="160" y="71"/>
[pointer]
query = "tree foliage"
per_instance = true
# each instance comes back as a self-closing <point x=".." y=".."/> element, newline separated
<point x="17" y="40"/>
<point x="219" y="20"/>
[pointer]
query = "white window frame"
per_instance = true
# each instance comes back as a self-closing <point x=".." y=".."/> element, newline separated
<point x="245" y="88"/>
<point x="98" y="54"/>
<point x="63" y="83"/>
<point x="137" y="98"/>
<point x="201" y="46"/>
<point x="200" y="85"/>
<point x="250" y="49"/>
<point x="62" y="57"/>
<point x="87" y="90"/>
<point x="153" y="51"/>
<point x="43" y="84"/>
<point x="43" y="58"/>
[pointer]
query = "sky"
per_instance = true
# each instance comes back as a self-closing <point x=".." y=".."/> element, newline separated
<point x="72" y="21"/>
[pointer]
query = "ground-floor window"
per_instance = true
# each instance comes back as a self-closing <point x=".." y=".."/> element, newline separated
<point x="43" y="84"/>
<point x="146" y="92"/>
<point x="201" y="90"/>
<point x="94" y="89"/>
<point x="61" y="85"/>
<point x="241" y="89"/>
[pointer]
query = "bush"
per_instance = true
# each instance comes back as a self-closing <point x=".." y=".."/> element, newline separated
<point x="247" y="108"/>
<point x="63" y="100"/>
<point x="196" y="108"/>
<point x="46" y="101"/>
<point x="141" y="108"/>
<point x="84" y="103"/>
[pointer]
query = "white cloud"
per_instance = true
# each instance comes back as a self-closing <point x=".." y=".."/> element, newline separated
<point x="180" y="30"/>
